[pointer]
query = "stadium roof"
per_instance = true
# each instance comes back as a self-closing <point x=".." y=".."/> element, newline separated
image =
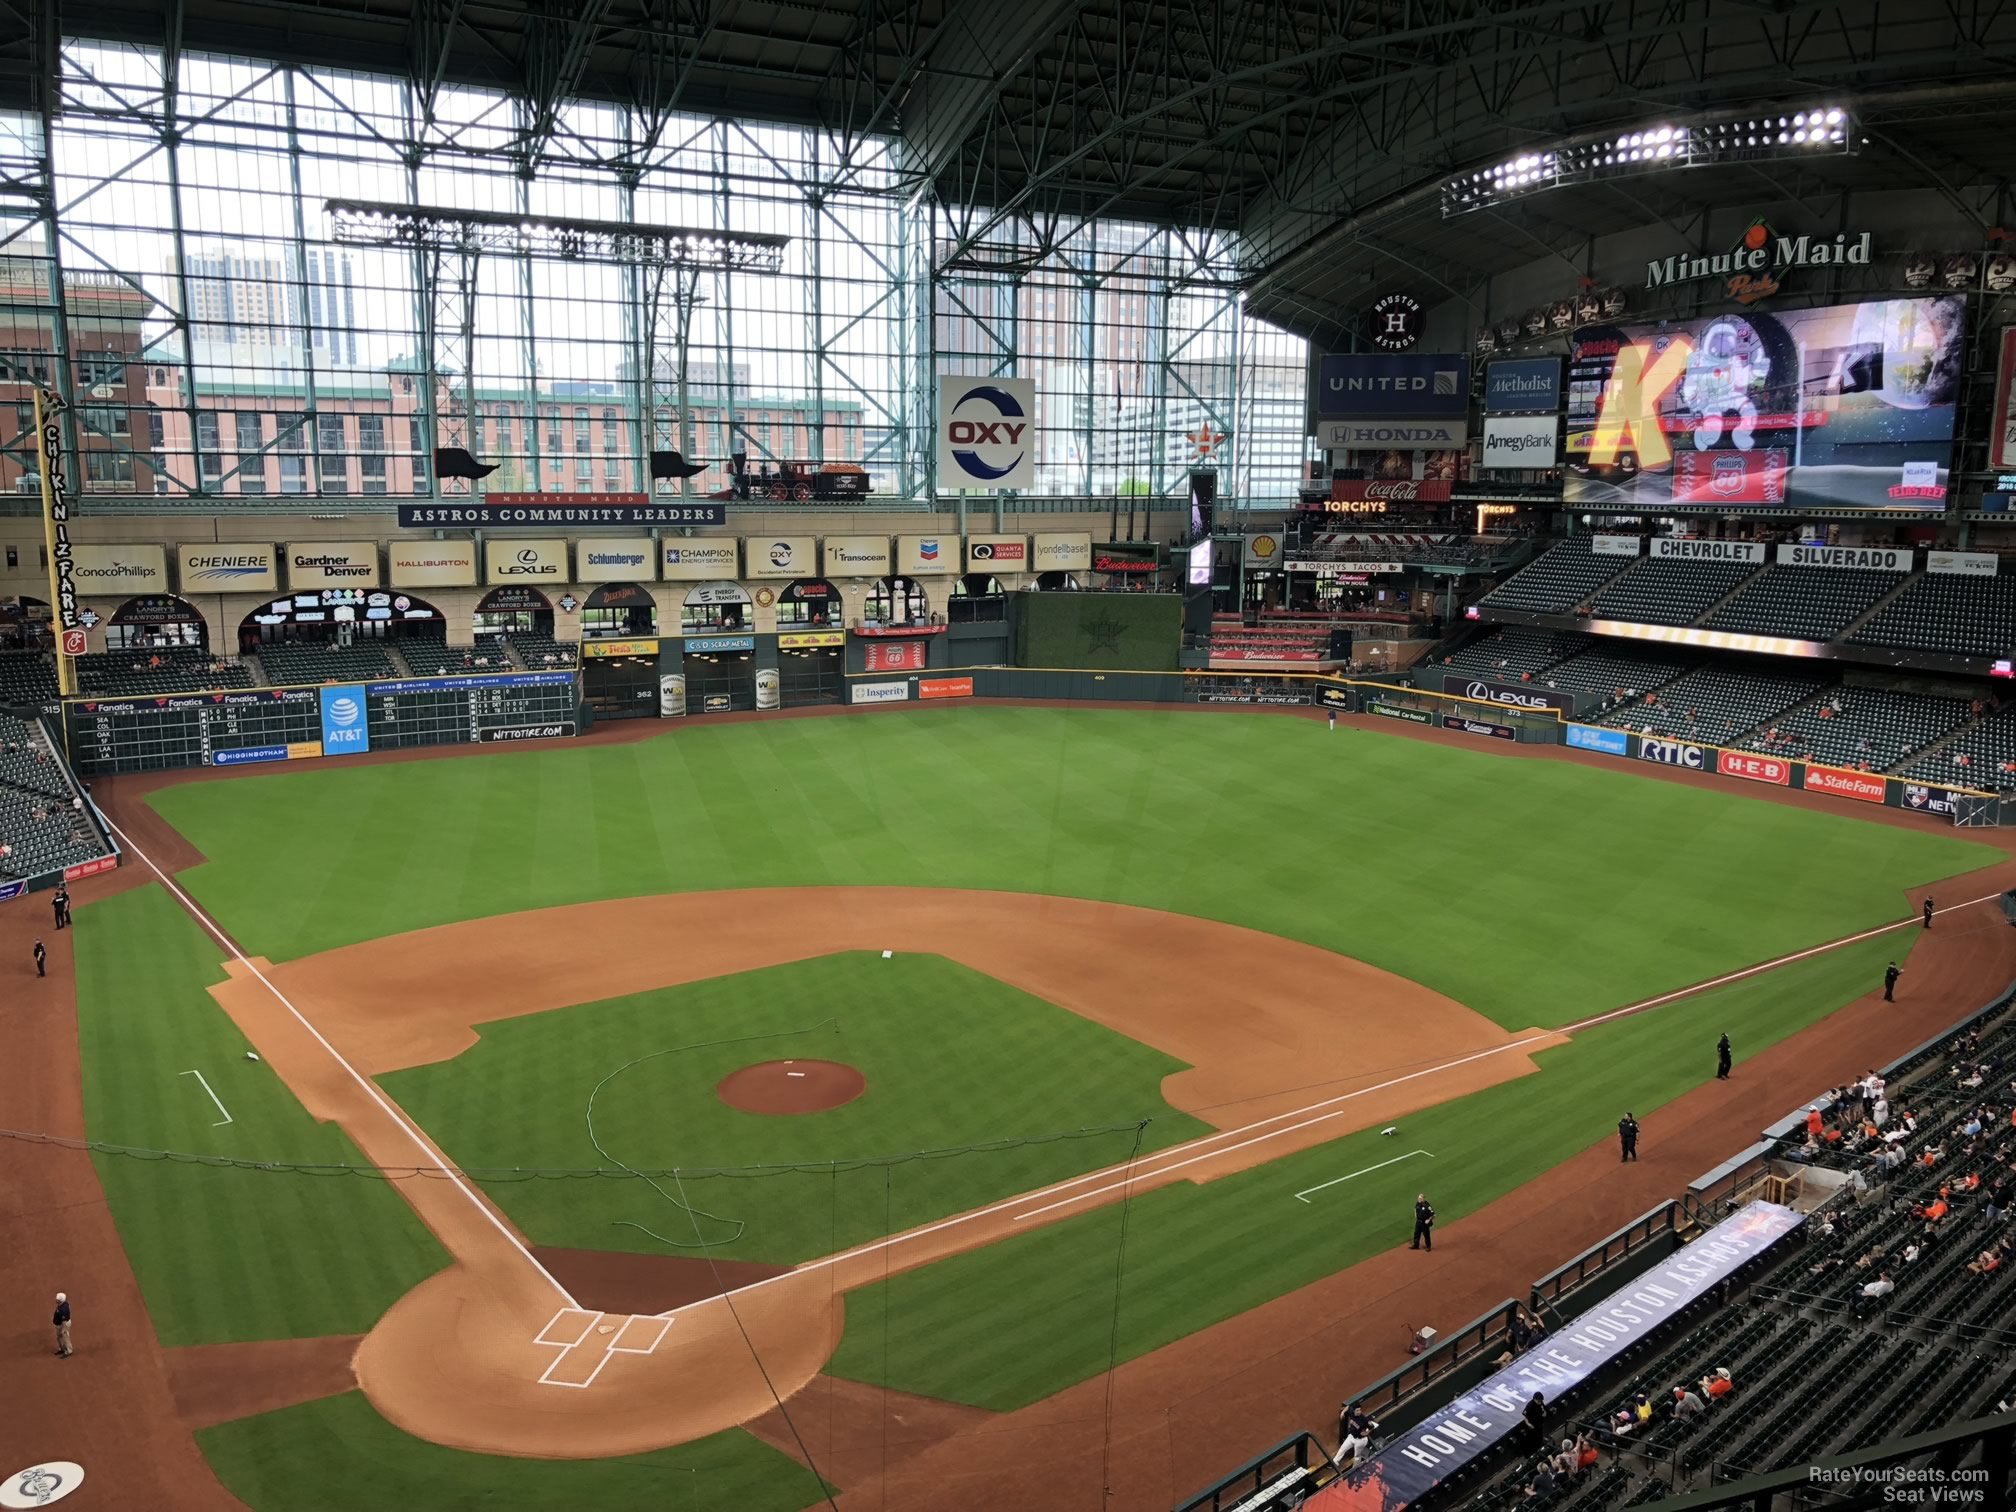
<point x="1320" y="132"/>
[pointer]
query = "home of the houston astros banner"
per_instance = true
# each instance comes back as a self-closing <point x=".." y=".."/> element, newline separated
<point x="1478" y="1421"/>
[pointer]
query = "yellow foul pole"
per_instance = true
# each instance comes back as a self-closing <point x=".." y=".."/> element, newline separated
<point x="56" y="538"/>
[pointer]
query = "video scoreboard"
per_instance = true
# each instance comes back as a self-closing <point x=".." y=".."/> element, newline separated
<point x="242" y="726"/>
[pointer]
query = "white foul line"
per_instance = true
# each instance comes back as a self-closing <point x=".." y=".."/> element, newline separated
<point x="1303" y="1195"/>
<point x="213" y="1097"/>
<point x="434" y="1157"/>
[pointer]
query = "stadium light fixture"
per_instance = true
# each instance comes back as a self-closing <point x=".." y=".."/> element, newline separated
<point x="1814" y="131"/>
<point x="430" y="228"/>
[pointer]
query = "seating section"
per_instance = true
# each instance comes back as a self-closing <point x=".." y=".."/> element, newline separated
<point x="1557" y="582"/>
<point x="181" y="670"/>
<point x="1662" y="592"/>
<point x="290" y="663"/>
<point x="1982" y="756"/>
<point x="1804" y="603"/>
<point x="1614" y="670"/>
<point x="542" y="652"/>
<point x="487" y="653"/>
<point x="1514" y="649"/>
<point x="1279" y="640"/>
<point x="1871" y="728"/>
<point x="27" y="678"/>
<point x="1714" y="705"/>
<point x="1962" y="616"/>
<point x="41" y="829"/>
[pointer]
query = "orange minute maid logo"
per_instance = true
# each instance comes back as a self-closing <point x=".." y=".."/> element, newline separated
<point x="1748" y="288"/>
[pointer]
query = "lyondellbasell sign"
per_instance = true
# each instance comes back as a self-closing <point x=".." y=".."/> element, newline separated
<point x="1755" y="266"/>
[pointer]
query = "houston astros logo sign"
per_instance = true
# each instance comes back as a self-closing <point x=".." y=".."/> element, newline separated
<point x="986" y="432"/>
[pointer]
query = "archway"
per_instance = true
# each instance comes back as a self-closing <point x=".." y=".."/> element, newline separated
<point x="619" y="611"/>
<point x="1057" y="582"/>
<point x="977" y="598"/>
<point x="716" y="606"/>
<point x="718" y="655"/>
<point x="157" y="622"/>
<point x="24" y="623"/>
<point x="897" y="601"/>
<point x="517" y="607"/>
<point x="341" y="617"/>
<point x="811" y="646"/>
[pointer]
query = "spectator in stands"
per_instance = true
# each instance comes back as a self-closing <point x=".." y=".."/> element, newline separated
<point x="1718" y="1384"/>
<point x="1686" y="1404"/>
<point x="1542" y="1483"/>
<point x="1533" y="1425"/>
<point x="1874" y="1294"/>
<point x="1585" y="1454"/>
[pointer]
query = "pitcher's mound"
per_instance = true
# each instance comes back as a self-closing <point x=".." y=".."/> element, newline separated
<point x="791" y="1086"/>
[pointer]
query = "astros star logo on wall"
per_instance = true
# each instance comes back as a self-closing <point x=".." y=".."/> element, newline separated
<point x="1204" y="441"/>
<point x="1103" y="634"/>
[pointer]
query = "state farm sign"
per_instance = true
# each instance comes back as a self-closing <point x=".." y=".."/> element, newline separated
<point x="1754" y="768"/>
<point x="1860" y="786"/>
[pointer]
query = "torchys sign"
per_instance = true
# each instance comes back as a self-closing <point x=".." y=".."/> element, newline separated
<point x="1756" y="265"/>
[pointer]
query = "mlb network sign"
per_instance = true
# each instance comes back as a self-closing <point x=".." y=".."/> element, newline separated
<point x="986" y="433"/>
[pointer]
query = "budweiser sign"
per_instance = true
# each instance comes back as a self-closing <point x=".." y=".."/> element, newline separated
<point x="1754" y="768"/>
<point x="1406" y="490"/>
<point x="1844" y="784"/>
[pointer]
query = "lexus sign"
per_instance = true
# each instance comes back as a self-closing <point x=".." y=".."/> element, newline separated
<point x="1507" y="695"/>
<point x="1673" y="753"/>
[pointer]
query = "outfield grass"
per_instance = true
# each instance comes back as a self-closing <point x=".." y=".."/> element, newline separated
<point x="1196" y="1255"/>
<point x="222" y="1254"/>
<point x="953" y="1059"/>
<point x="338" y="1455"/>
<point x="1535" y="892"/>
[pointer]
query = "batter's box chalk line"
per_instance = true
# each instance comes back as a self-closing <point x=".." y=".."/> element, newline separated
<point x="615" y="1338"/>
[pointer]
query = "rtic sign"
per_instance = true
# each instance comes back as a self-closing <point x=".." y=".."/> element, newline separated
<point x="1673" y="753"/>
<point x="1754" y="768"/>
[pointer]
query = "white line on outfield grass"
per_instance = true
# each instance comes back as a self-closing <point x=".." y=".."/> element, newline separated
<point x="434" y="1156"/>
<point x="213" y="1097"/>
<point x="1303" y="1195"/>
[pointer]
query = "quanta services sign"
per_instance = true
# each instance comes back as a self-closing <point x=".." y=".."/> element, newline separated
<point x="1863" y="787"/>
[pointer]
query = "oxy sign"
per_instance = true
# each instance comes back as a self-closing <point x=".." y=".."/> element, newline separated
<point x="986" y="433"/>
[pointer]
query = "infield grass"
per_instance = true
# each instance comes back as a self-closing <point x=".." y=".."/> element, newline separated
<point x="1196" y="1255"/>
<point x="338" y="1454"/>
<point x="953" y="1059"/>
<point x="1536" y="892"/>
<point x="224" y="1253"/>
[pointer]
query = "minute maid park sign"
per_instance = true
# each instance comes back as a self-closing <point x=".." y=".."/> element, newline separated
<point x="1754" y="265"/>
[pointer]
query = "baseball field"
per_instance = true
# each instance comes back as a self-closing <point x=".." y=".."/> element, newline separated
<point x="906" y="1070"/>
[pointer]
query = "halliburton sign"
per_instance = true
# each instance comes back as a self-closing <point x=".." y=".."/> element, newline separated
<point x="1860" y="786"/>
<point x="1754" y="768"/>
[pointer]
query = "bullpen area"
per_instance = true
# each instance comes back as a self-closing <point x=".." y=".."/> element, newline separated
<point x="839" y="1108"/>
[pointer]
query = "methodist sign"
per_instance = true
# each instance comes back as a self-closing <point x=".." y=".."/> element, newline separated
<point x="1479" y="1421"/>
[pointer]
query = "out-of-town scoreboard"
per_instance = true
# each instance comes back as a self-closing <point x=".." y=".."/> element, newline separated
<point x="243" y="726"/>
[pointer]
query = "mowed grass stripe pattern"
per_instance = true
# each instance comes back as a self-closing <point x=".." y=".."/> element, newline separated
<point x="338" y="1454"/>
<point x="223" y="1254"/>
<point x="953" y="1059"/>
<point x="1010" y="1324"/>
<point x="1535" y="892"/>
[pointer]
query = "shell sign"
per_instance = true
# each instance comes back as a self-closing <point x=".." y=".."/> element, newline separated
<point x="1263" y="551"/>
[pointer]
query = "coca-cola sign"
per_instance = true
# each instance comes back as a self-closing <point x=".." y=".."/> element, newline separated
<point x="1405" y="490"/>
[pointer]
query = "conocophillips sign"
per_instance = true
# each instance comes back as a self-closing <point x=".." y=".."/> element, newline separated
<point x="1508" y="695"/>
